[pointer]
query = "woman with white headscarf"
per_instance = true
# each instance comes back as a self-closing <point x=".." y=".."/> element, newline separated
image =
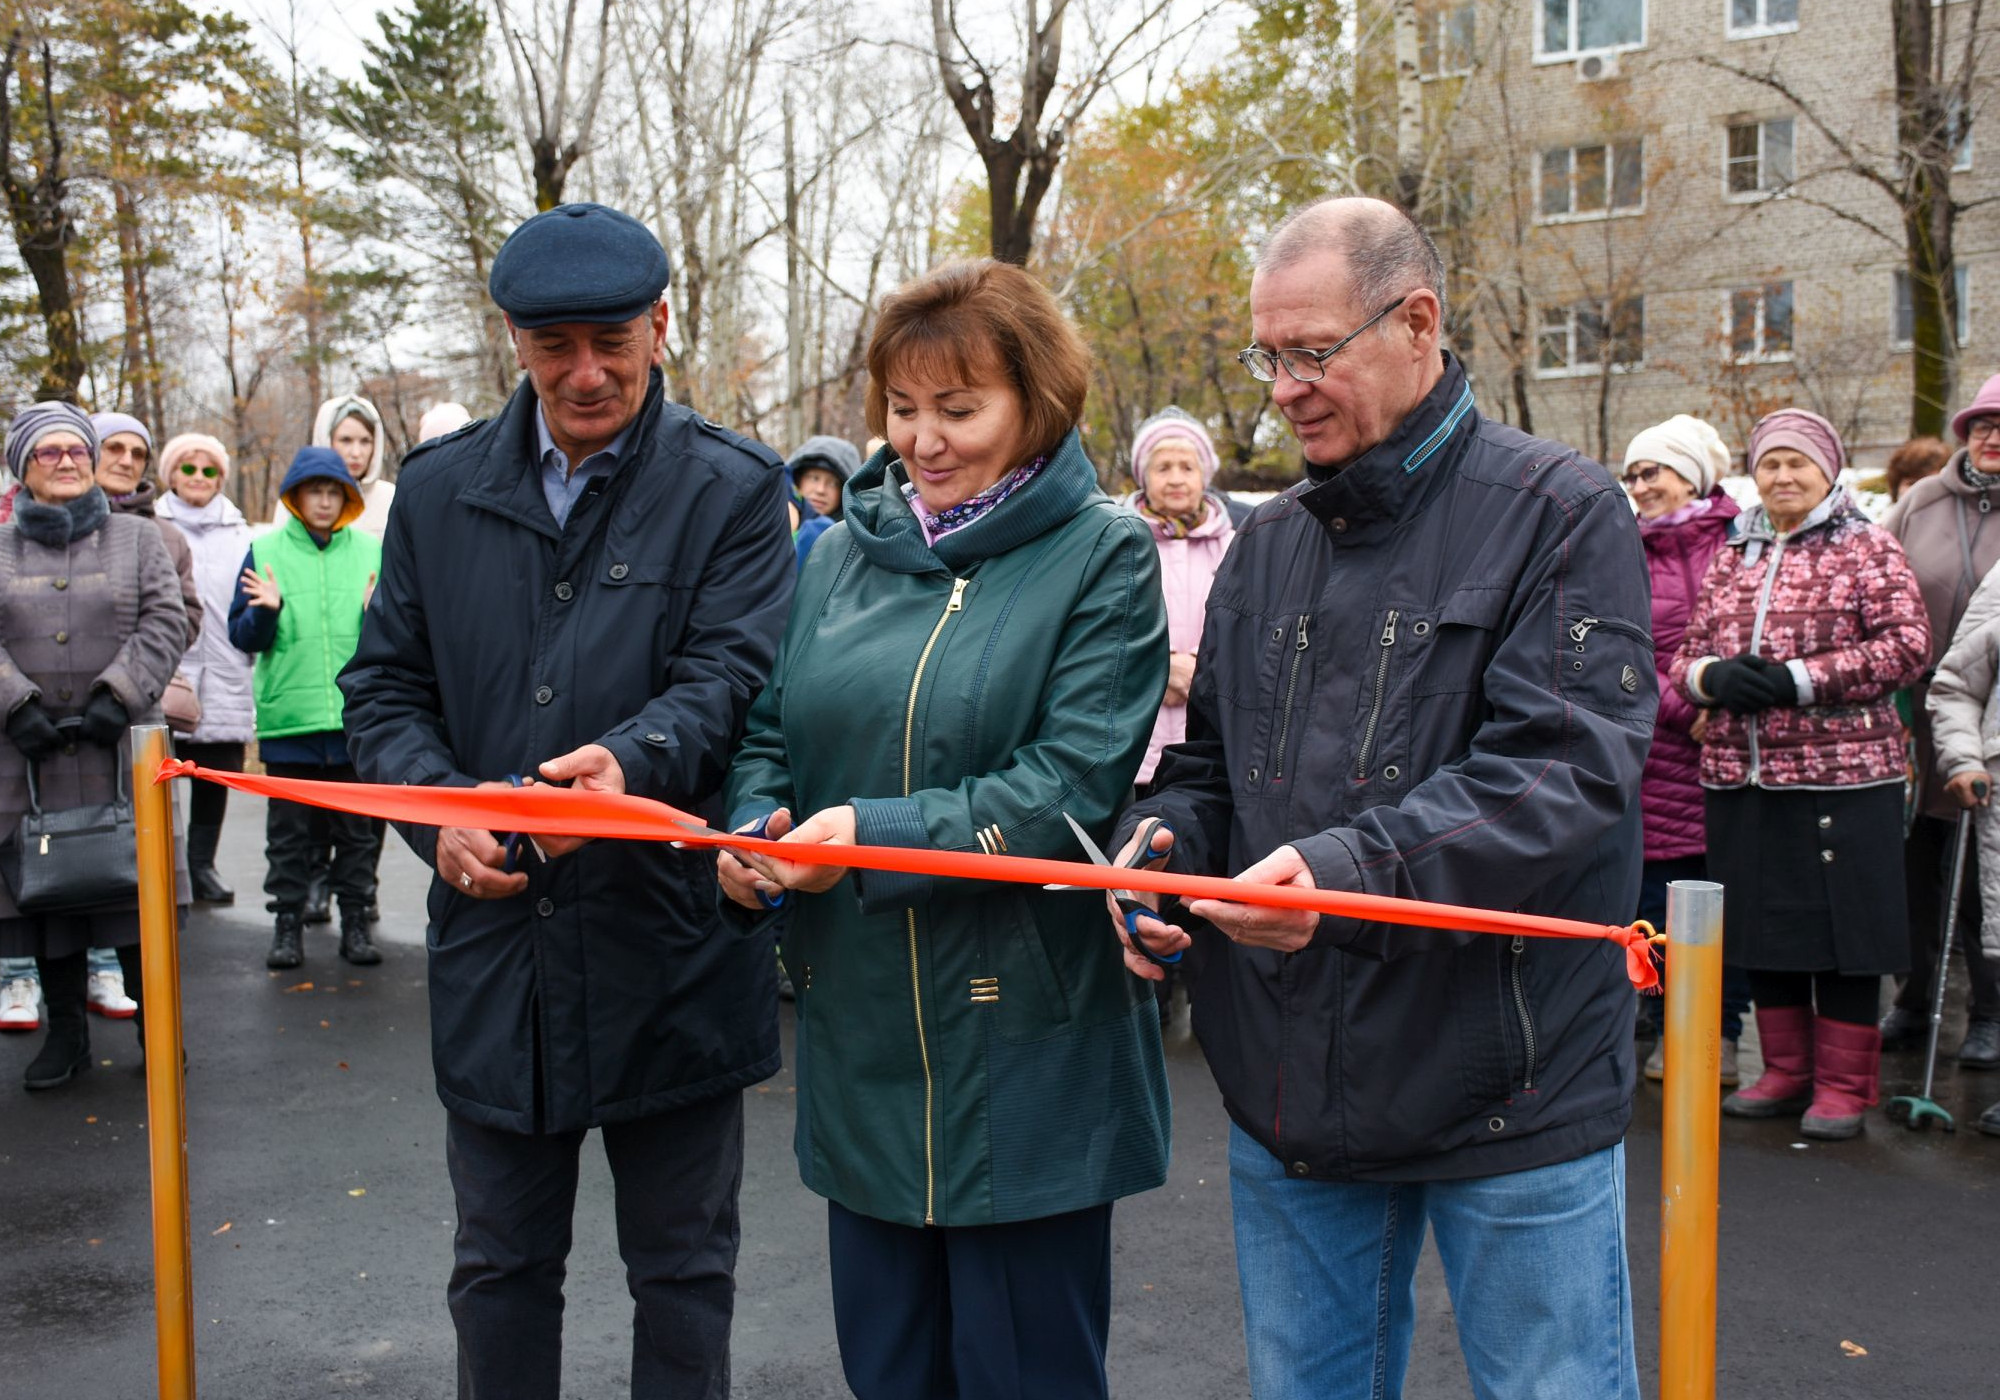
<point x="1672" y="472"/>
<point x="352" y="426"/>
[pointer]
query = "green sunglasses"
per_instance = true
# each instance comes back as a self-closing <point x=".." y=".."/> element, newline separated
<point x="190" y="469"/>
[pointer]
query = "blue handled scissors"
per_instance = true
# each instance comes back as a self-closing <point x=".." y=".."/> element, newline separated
<point x="1129" y="903"/>
<point x="514" y="845"/>
<point x="761" y="831"/>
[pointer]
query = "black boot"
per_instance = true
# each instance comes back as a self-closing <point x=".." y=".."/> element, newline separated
<point x="207" y="885"/>
<point x="355" y="944"/>
<point x="319" y="898"/>
<point x="67" y="1048"/>
<point x="287" y="941"/>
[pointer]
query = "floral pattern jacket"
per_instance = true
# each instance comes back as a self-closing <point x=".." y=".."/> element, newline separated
<point x="1836" y="601"/>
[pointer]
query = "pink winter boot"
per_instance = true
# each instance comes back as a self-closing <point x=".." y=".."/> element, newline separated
<point x="1847" y="1067"/>
<point x="1785" y="1087"/>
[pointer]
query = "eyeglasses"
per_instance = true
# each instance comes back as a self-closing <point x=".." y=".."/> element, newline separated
<point x="52" y="457"/>
<point x="1981" y="428"/>
<point x="1302" y="364"/>
<point x="190" y="469"/>
<point x="1643" y="475"/>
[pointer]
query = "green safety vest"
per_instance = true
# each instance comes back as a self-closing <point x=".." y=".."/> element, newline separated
<point x="319" y="625"/>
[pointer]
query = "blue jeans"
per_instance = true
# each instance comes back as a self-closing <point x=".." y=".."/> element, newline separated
<point x="1535" y="1261"/>
<point x="10" y="968"/>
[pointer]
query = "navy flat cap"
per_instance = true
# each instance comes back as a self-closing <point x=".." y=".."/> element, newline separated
<point x="578" y="262"/>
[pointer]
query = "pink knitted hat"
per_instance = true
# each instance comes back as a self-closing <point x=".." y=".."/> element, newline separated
<point x="1802" y="432"/>
<point x="1984" y="403"/>
<point x="1176" y="425"/>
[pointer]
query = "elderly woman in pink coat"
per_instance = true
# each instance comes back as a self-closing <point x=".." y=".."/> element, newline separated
<point x="1174" y="465"/>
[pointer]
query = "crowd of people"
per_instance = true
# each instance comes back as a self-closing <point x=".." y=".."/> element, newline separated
<point x="1453" y="662"/>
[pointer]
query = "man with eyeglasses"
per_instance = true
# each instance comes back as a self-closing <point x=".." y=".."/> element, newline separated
<point x="1426" y="672"/>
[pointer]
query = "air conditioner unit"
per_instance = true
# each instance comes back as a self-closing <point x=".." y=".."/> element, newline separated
<point x="1597" y="68"/>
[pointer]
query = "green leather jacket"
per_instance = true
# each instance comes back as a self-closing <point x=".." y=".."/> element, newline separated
<point x="968" y="1053"/>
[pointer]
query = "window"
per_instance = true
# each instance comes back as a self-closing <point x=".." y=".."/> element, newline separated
<point x="1760" y="323"/>
<point x="1583" y="339"/>
<point x="1903" y="331"/>
<point x="1750" y="18"/>
<point x="1572" y="27"/>
<point x="1590" y="182"/>
<point x="1759" y="160"/>
<point x="1447" y="33"/>
<point x="1958" y="130"/>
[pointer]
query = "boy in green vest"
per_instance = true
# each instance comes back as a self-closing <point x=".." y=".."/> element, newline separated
<point x="297" y="609"/>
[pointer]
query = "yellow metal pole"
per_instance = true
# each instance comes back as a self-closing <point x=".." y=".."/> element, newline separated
<point x="1689" y="1172"/>
<point x="166" y="1108"/>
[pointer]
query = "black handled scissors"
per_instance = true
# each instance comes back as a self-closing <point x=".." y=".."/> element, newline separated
<point x="1129" y="903"/>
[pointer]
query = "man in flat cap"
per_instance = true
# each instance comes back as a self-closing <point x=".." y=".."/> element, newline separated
<point x="588" y="589"/>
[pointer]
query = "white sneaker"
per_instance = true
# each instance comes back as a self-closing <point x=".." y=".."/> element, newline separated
<point x="20" y="1004"/>
<point x="107" y="996"/>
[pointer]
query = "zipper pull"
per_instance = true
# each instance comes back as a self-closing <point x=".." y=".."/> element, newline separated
<point x="1580" y="629"/>
<point x="957" y="594"/>
<point x="1304" y="618"/>
<point x="1520" y="943"/>
<point x="1388" y="630"/>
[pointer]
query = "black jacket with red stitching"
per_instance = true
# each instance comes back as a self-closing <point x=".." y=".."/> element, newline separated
<point x="1432" y="673"/>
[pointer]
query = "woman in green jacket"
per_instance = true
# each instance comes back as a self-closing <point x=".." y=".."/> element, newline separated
<point x="977" y="649"/>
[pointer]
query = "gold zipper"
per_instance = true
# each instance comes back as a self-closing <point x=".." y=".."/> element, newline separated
<point x="910" y="915"/>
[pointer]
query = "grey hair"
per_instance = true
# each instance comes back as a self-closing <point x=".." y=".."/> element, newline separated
<point x="1388" y="254"/>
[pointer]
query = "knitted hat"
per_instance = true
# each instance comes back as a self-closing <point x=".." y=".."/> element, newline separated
<point x="181" y="447"/>
<point x="1685" y="445"/>
<point x="36" y="422"/>
<point x="1172" y="424"/>
<point x="1985" y="402"/>
<point x="109" y="423"/>
<point x="441" y="418"/>
<point x="1802" y="432"/>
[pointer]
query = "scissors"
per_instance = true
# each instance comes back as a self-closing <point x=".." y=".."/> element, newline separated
<point x="761" y="831"/>
<point x="1129" y="903"/>
<point x="513" y="845"/>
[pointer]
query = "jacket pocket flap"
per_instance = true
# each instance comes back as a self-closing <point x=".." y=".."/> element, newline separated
<point x="1475" y="607"/>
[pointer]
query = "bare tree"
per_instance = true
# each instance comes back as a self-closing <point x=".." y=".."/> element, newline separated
<point x="1933" y="80"/>
<point x="38" y="206"/>
<point x="1021" y="164"/>
<point x="551" y="98"/>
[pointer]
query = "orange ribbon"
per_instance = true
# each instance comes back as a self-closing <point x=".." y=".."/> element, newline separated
<point x="546" y="810"/>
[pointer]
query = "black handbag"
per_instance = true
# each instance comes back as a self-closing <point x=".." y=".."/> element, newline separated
<point x="79" y="858"/>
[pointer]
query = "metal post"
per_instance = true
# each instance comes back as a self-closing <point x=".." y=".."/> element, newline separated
<point x="1690" y="1144"/>
<point x="166" y="1115"/>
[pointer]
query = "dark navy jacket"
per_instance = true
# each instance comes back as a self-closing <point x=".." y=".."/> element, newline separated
<point x="1431" y="673"/>
<point x="497" y="641"/>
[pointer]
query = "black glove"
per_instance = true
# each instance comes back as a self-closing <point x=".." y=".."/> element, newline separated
<point x="1740" y="685"/>
<point x="1784" y="685"/>
<point x="104" y="719"/>
<point x="33" y="732"/>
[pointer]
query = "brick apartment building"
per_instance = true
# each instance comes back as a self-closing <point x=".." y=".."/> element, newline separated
<point x="1634" y="231"/>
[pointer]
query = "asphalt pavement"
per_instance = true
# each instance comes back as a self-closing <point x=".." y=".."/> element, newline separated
<point x="322" y="1220"/>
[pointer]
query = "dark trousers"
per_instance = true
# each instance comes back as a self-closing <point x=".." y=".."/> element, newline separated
<point x="293" y="831"/>
<point x="1653" y="881"/>
<point x="1927" y="872"/>
<point x="208" y="801"/>
<point x="1835" y="996"/>
<point x="676" y="1177"/>
<point x="976" y="1312"/>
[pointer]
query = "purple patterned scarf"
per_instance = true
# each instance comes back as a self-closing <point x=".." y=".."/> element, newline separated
<point x="957" y="517"/>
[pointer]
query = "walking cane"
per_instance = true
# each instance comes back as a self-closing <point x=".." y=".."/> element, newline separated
<point x="1916" y="1111"/>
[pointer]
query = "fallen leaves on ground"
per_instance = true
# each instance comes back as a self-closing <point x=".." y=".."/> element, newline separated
<point x="359" y="1191"/>
<point x="1852" y="1349"/>
<point x="300" y="987"/>
<point x="224" y="1228"/>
